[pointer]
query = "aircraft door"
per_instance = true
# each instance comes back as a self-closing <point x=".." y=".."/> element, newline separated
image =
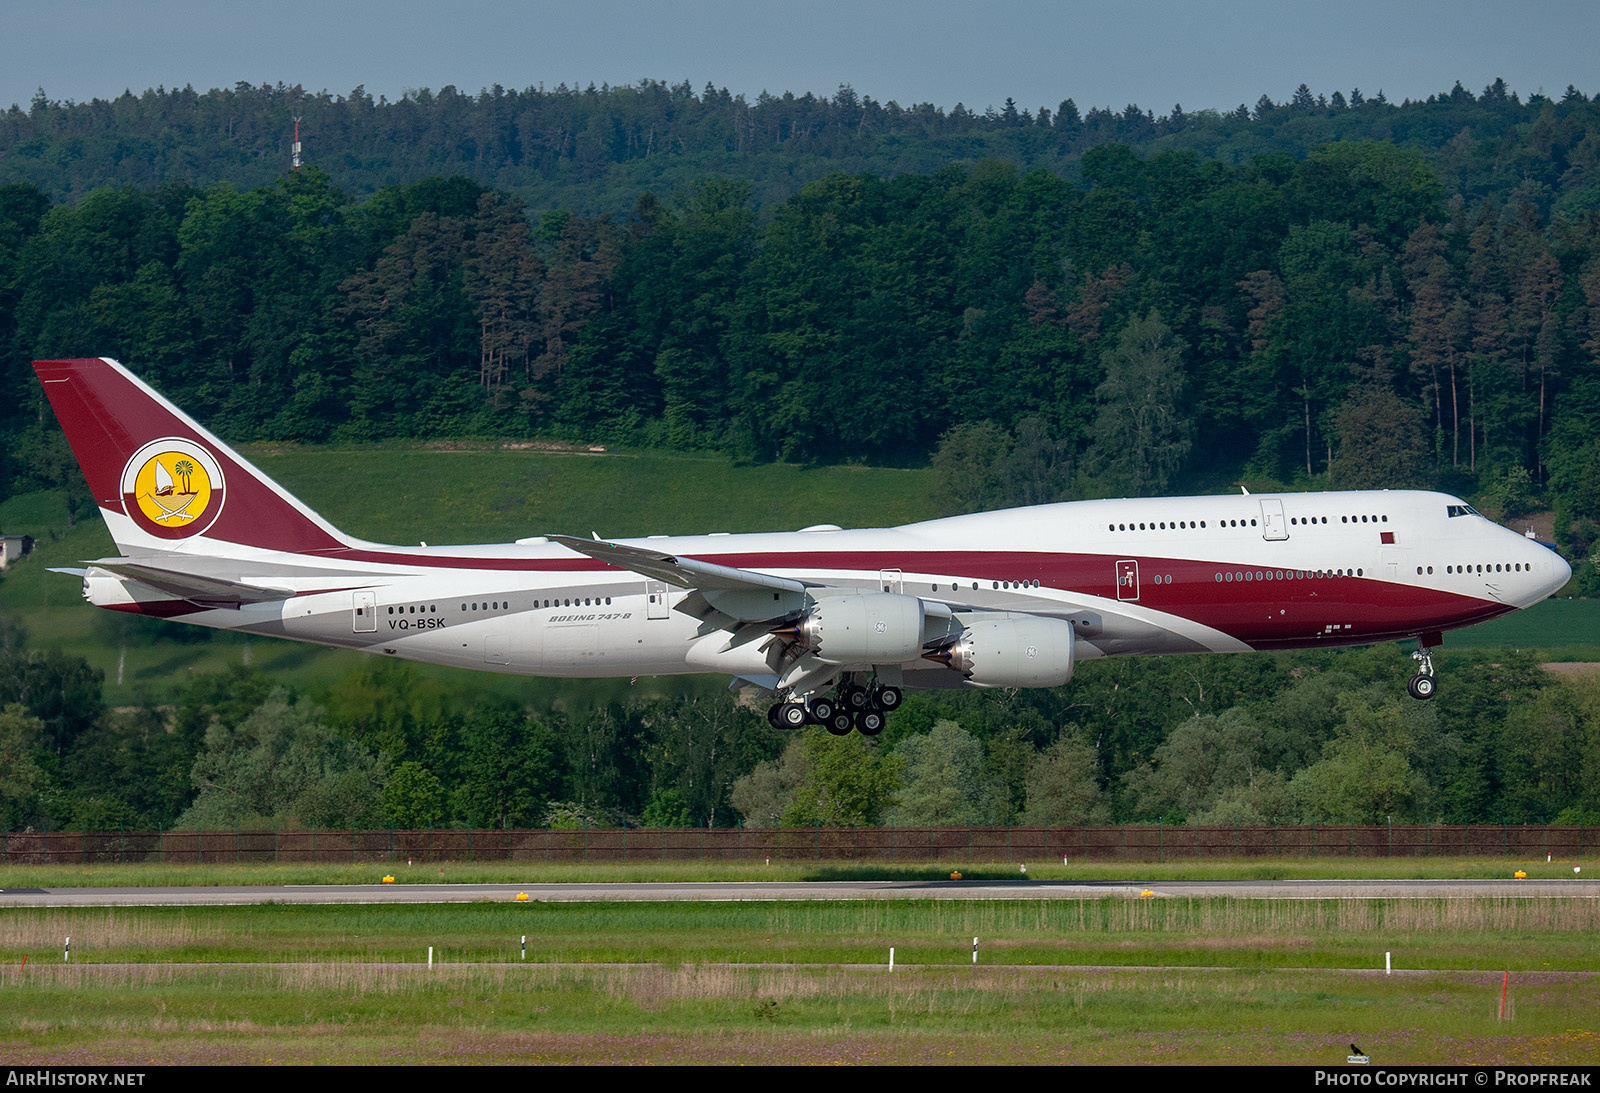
<point x="364" y="613"/>
<point x="1273" y="525"/>
<point x="655" y="598"/>
<point x="1127" y="579"/>
<point x="1394" y="565"/>
<point x="890" y="580"/>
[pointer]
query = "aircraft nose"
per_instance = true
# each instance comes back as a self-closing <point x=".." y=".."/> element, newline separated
<point x="1554" y="570"/>
<point x="1561" y="573"/>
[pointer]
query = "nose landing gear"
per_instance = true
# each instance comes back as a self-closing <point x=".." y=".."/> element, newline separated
<point x="1422" y="685"/>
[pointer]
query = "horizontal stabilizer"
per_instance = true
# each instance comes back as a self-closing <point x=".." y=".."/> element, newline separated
<point x="201" y="590"/>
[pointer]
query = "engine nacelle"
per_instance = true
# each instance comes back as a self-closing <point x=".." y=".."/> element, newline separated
<point x="863" y="628"/>
<point x="1012" y="651"/>
<point x="105" y="589"/>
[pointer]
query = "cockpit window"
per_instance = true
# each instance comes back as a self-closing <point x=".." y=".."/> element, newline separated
<point x="1462" y="510"/>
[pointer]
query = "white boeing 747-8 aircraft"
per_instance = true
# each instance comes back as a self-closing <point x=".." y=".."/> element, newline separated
<point x="835" y="623"/>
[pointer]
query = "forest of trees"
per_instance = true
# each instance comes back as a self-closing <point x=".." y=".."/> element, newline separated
<point x="593" y="150"/>
<point x="1326" y="737"/>
<point x="1328" y="292"/>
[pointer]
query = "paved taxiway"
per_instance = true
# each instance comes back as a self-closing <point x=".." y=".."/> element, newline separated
<point x="791" y="890"/>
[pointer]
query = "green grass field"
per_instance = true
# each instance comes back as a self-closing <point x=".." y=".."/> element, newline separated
<point x="159" y="875"/>
<point x="1437" y="934"/>
<point x="405" y="495"/>
<point x="333" y="1014"/>
<point x="1111" y="980"/>
<point x="1107" y="980"/>
<point x="1569" y="628"/>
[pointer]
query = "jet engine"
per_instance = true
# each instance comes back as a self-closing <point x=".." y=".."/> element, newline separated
<point x="864" y="628"/>
<point x="1011" y="651"/>
<point x="105" y="589"/>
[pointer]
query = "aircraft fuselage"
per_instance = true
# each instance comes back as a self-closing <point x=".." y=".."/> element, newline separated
<point x="1138" y="576"/>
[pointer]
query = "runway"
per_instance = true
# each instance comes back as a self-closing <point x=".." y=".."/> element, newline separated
<point x="793" y="890"/>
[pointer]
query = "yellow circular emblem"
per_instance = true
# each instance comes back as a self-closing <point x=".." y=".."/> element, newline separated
<point x="172" y="488"/>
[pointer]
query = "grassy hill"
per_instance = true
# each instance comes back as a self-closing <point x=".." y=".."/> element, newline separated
<point x="473" y="495"/>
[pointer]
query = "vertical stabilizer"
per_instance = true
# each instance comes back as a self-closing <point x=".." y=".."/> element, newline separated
<point x="163" y="482"/>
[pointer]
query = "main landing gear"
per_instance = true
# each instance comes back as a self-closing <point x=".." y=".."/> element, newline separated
<point x="855" y="707"/>
<point x="1422" y="684"/>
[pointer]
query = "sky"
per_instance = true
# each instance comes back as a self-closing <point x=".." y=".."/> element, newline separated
<point x="1155" y="53"/>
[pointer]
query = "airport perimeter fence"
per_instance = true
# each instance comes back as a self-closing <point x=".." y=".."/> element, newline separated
<point x="1107" y="842"/>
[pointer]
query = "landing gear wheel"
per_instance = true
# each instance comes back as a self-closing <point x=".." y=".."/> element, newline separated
<point x="870" y="721"/>
<point x="1422" y="684"/>
<point x="822" y="710"/>
<point x="840" y="723"/>
<point x="854" y="698"/>
<point x="889" y="698"/>
<point x="791" y="715"/>
<point x="772" y="715"/>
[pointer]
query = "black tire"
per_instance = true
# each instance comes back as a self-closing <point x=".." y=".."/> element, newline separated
<point x="889" y="698"/>
<point x="1422" y="687"/>
<point x="840" y="723"/>
<point x="792" y="715"/>
<point x="822" y="710"/>
<point x="772" y="715"/>
<point x="854" y="698"/>
<point x="870" y="721"/>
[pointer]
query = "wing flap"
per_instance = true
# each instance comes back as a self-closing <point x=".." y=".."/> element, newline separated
<point x="739" y="595"/>
<point x="676" y="570"/>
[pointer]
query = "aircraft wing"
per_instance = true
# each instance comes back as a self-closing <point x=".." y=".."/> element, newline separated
<point x="683" y="572"/>
<point x="207" y="591"/>
<point x="738" y="594"/>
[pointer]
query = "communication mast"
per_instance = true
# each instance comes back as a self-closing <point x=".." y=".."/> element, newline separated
<point x="294" y="149"/>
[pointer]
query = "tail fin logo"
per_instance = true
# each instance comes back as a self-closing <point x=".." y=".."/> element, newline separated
<point x="172" y="488"/>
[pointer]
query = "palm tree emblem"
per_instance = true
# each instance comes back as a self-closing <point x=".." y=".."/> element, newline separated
<point x="169" y="489"/>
